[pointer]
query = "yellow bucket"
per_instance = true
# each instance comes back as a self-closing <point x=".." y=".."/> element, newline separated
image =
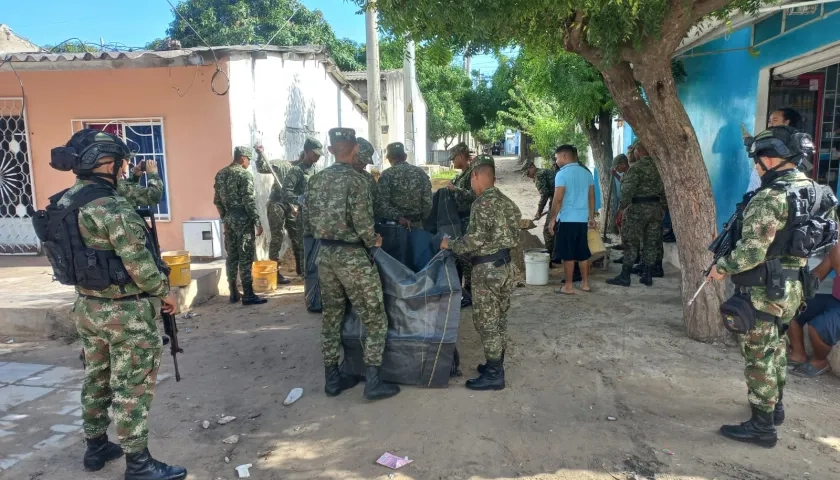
<point x="265" y="275"/>
<point x="178" y="262"/>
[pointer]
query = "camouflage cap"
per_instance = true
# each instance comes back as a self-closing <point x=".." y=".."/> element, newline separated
<point x="313" y="145"/>
<point x="365" y="152"/>
<point x="484" y="160"/>
<point x="342" y="135"/>
<point x="620" y="159"/>
<point x="459" y="149"/>
<point x="395" y="149"/>
<point x="243" y="152"/>
<point x="527" y="166"/>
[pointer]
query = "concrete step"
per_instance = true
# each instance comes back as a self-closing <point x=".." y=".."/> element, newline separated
<point x="36" y="308"/>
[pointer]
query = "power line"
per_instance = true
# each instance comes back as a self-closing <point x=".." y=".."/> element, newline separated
<point x="215" y="59"/>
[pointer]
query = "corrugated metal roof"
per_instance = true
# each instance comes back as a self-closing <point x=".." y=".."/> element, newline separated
<point x="173" y="58"/>
<point x="38" y="57"/>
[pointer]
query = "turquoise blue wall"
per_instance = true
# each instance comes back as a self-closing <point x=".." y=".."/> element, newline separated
<point x="721" y="92"/>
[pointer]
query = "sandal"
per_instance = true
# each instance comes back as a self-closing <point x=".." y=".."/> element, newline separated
<point x="807" y="370"/>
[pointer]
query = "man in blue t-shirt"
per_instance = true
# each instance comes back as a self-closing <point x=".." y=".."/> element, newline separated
<point x="572" y="213"/>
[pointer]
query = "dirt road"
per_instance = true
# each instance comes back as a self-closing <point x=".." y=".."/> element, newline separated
<point x="600" y="386"/>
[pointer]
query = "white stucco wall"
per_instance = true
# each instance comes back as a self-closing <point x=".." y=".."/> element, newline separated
<point x="279" y="103"/>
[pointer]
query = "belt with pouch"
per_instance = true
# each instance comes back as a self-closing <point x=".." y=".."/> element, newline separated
<point x="498" y="259"/>
<point x="648" y="199"/>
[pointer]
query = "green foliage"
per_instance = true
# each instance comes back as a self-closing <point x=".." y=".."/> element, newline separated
<point x="539" y="117"/>
<point x="443" y="86"/>
<point x="255" y="22"/>
<point x="448" y="174"/>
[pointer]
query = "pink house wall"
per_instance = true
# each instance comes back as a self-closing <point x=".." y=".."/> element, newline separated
<point x="197" y="129"/>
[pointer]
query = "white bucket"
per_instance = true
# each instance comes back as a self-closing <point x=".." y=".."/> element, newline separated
<point x="536" y="267"/>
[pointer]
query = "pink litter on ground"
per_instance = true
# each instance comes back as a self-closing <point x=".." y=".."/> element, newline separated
<point x="392" y="461"/>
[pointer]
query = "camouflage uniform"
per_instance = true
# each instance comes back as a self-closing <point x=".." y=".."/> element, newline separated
<point x="294" y="185"/>
<point x="404" y="190"/>
<point x="763" y="348"/>
<point x="136" y="194"/>
<point x="121" y="342"/>
<point x="641" y="227"/>
<point x="276" y="214"/>
<point x="494" y="225"/>
<point x="464" y="198"/>
<point x="234" y="199"/>
<point x="339" y="208"/>
<point x="364" y="157"/>
<point x="544" y="181"/>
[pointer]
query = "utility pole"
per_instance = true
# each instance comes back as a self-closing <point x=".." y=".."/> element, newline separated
<point x="409" y="75"/>
<point x="466" y="137"/>
<point x="373" y="81"/>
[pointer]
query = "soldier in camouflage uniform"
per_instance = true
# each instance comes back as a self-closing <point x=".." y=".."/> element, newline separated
<point x="404" y="192"/>
<point x="643" y="203"/>
<point x="339" y="213"/>
<point x="273" y="208"/>
<point x="464" y="198"/>
<point x="121" y="342"/>
<point x="136" y="194"/>
<point x="294" y="186"/>
<point x="234" y="199"/>
<point x="544" y="181"/>
<point x="493" y="232"/>
<point x="763" y="348"/>
<point x="364" y="157"/>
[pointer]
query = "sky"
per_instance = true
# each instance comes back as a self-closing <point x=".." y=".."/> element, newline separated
<point x="121" y="21"/>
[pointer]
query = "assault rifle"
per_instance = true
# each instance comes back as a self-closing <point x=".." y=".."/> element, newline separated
<point x="724" y="243"/>
<point x="170" y="327"/>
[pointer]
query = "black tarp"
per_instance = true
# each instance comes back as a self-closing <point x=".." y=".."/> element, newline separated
<point x="444" y="217"/>
<point x="311" y="289"/>
<point x="424" y="310"/>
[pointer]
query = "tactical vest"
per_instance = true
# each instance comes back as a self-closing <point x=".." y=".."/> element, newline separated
<point x="74" y="263"/>
<point x="808" y="232"/>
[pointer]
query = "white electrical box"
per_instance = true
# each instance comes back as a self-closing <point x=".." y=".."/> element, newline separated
<point x="203" y="238"/>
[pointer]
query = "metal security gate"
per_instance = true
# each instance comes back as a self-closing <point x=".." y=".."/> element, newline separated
<point x="17" y="193"/>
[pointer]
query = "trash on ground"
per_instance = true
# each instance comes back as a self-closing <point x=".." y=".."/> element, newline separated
<point x="667" y="452"/>
<point x="611" y="418"/>
<point x="227" y="459"/>
<point x="231" y="440"/>
<point x="293" y="396"/>
<point x="188" y="330"/>
<point x="11" y="340"/>
<point x="242" y="470"/>
<point x="226" y="419"/>
<point x="392" y="461"/>
<point x="254" y="415"/>
<point x="205" y="424"/>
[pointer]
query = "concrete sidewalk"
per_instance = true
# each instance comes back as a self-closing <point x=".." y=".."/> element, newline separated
<point x="34" y="307"/>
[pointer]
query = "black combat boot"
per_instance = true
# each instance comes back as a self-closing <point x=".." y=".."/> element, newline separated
<point x="758" y="430"/>
<point x="646" y="278"/>
<point x="249" y="297"/>
<point x="141" y="466"/>
<point x="337" y="382"/>
<point x="481" y="367"/>
<point x="656" y="271"/>
<point x="234" y="292"/>
<point x="375" y="388"/>
<point x="492" y="378"/>
<point x="779" y="411"/>
<point x="100" y="451"/>
<point x="638" y="269"/>
<point x="623" y="278"/>
<point x="281" y="280"/>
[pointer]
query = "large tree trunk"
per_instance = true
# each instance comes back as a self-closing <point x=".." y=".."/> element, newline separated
<point x="600" y="141"/>
<point x="665" y="129"/>
<point x="525" y="143"/>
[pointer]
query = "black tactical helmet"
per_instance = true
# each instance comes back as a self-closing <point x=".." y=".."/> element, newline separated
<point x="85" y="148"/>
<point x="782" y="142"/>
